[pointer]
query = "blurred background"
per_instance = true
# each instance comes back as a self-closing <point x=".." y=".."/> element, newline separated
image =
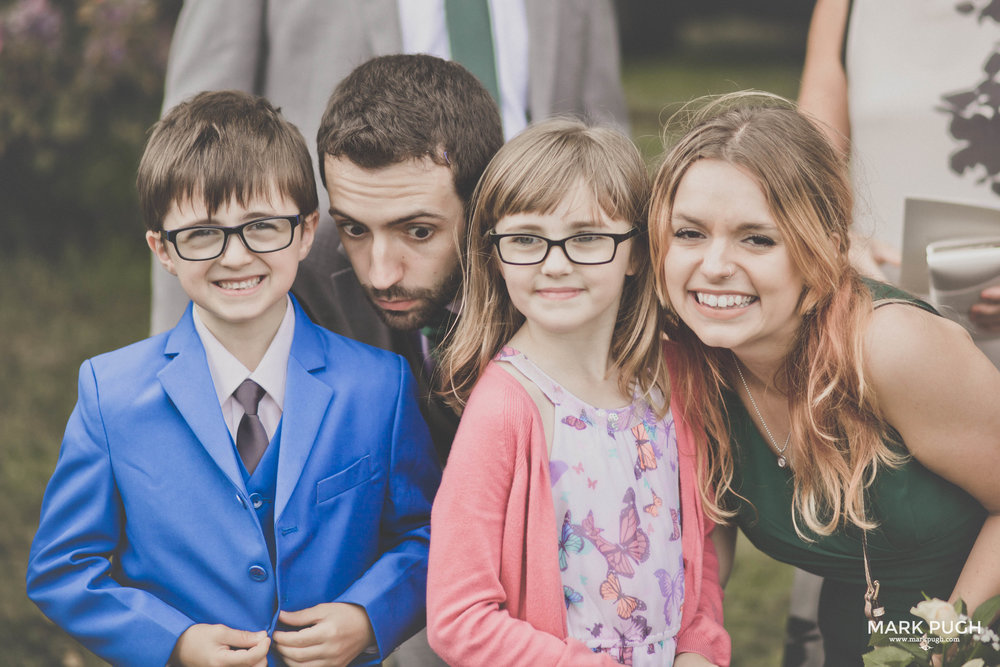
<point x="81" y="82"/>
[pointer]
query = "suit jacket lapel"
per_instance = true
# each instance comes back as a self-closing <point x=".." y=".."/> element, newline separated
<point x="306" y="401"/>
<point x="188" y="383"/>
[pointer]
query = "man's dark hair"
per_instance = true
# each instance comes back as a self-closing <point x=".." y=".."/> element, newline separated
<point x="401" y="107"/>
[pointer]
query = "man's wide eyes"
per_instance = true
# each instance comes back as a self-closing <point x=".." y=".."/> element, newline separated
<point x="420" y="233"/>
<point x="352" y="229"/>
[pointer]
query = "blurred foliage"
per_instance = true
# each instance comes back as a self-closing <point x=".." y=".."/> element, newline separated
<point x="80" y="83"/>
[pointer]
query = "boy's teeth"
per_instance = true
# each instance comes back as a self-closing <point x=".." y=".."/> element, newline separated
<point x="724" y="300"/>
<point x="239" y="284"/>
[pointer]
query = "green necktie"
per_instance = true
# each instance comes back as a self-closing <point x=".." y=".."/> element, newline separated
<point x="471" y="39"/>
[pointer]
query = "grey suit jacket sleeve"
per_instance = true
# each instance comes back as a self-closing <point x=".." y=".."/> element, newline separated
<point x="217" y="45"/>
<point x="603" y="95"/>
<point x="575" y="61"/>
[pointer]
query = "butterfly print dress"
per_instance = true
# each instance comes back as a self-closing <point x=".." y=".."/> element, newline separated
<point x="615" y="490"/>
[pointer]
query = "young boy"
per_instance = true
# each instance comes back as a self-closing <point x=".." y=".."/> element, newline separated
<point x="246" y="485"/>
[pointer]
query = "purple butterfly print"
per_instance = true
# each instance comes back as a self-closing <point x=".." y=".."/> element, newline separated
<point x="556" y="470"/>
<point x="676" y="520"/>
<point x="671" y="434"/>
<point x="572" y="596"/>
<point x="633" y="542"/>
<point x="569" y="542"/>
<point x="630" y="637"/>
<point x="579" y="423"/>
<point x="645" y="454"/>
<point x="672" y="589"/>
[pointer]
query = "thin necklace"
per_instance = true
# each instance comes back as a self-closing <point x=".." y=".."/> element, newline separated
<point x="782" y="461"/>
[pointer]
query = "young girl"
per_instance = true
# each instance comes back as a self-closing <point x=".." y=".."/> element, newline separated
<point x="568" y="529"/>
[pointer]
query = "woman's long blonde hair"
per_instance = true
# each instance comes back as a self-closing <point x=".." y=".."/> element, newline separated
<point x="533" y="173"/>
<point x="837" y="431"/>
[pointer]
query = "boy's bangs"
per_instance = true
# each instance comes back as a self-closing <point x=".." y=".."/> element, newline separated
<point x="217" y="180"/>
<point x="217" y="172"/>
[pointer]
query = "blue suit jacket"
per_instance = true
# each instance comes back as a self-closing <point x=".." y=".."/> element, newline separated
<point x="146" y="526"/>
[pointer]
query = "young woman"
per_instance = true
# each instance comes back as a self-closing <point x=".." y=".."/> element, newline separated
<point x="568" y="529"/>
<point x="851" y="431"/>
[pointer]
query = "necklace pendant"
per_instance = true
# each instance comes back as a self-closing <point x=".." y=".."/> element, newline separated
<point x="782" y="462"/>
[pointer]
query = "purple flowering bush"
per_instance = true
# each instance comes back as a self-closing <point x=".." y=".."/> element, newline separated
<point x="80" y="83"/>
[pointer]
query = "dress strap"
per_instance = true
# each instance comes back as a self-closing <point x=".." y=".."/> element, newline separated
<point x="552" y="390"/>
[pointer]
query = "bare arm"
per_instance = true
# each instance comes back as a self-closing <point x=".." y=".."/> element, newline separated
<point x="823" y="96"/>
<point x="943" y="396"/>
<point x="823" y="92"/>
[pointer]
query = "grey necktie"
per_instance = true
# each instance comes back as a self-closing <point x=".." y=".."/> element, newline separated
<point x="251" y="438"/>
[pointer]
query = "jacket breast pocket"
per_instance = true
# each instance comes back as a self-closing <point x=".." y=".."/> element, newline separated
<point x="357" y="473"/>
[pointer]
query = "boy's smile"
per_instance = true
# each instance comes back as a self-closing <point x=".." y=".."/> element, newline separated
<point x="240" y="292"/>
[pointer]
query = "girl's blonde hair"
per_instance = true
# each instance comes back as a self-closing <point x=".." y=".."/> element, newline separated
<point x="837" y="431"/>
<point x="533" y="173"/>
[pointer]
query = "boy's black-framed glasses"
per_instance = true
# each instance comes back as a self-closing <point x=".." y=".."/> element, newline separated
<point x="584" y="248"/>
<point x="204" y="242"/>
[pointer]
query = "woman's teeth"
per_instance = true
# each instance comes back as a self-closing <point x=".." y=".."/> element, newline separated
<point x="724" y="300"/>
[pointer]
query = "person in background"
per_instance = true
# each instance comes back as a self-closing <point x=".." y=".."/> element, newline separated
<point x="914" y="123"/>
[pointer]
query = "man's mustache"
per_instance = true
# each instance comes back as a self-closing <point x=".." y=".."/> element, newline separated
<point x="396" y="293"/>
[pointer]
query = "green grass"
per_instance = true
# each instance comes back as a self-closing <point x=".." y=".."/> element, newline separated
<point x="756" y="607"/>
<point x="53" y="315"/>
<point x="655" y="88"/>
<point x="56" y="313"/>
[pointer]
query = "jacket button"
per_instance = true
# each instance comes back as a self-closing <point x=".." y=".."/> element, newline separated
<point x="257" y="573"/>
<point x="256" y="500"/>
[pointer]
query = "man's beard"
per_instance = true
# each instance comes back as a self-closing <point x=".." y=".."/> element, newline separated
<point x="430" y="311"/>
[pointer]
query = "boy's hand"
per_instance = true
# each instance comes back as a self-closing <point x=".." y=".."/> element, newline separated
<point x="330" y="634"/>
<point x="204" y="645"/>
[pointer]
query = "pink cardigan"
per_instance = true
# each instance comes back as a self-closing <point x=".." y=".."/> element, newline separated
<point x="494" y="591"/>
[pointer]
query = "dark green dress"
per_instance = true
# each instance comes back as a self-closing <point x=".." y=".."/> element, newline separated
<point x="926" y="529"/>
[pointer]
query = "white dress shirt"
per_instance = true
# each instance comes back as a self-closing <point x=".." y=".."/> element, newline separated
<point x="272" y="371"/>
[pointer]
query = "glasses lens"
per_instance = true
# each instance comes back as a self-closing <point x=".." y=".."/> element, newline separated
<point x="269" y="234"/>
<point x="590" y="249"/>
<point x="522" y="249"/>
<point x="200" y="242"/>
